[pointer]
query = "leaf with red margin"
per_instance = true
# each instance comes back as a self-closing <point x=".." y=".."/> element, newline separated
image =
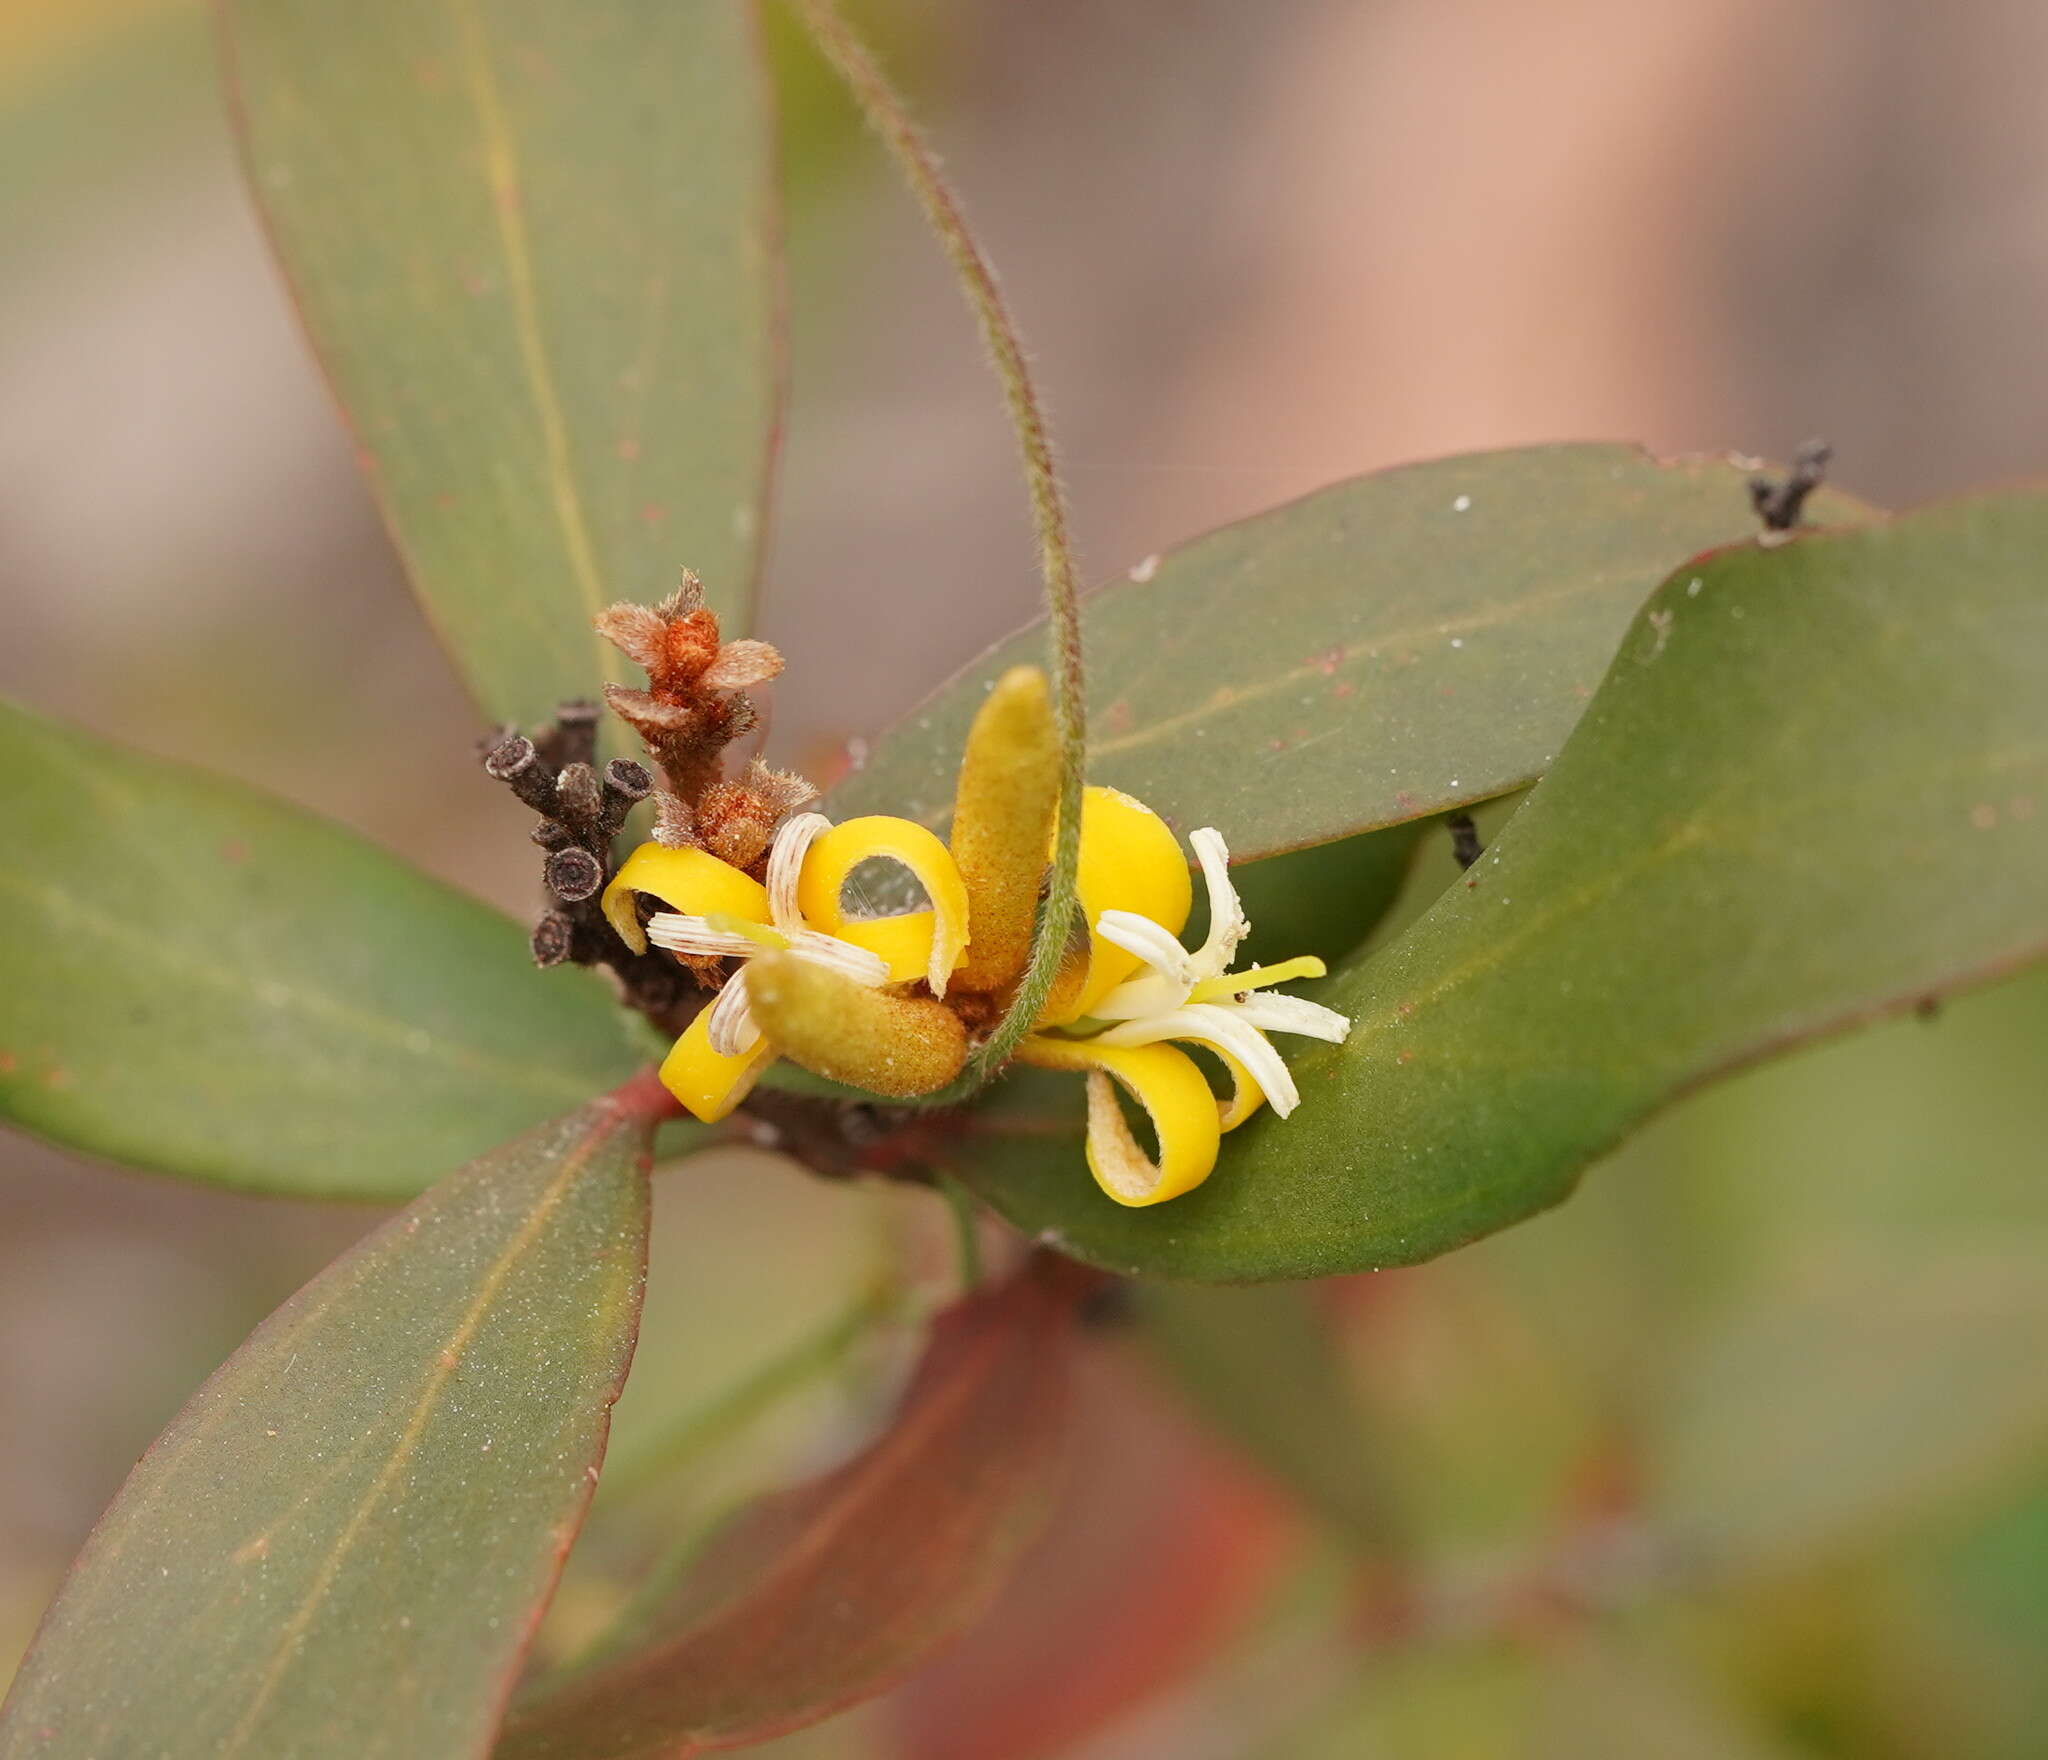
<point x="820" y="1596"/>
<point x="342" y="1544"/>
<point x="1160" y="1551"/>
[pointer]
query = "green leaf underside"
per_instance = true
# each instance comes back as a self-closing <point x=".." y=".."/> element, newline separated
<point x="1374" y="653"/>
<point x="536" y="248"/>
<point x="342" y="1543"/>
<point x="826" y="1594"/>
<point x="1814" y="787"/>
<point x="206" y="981"/>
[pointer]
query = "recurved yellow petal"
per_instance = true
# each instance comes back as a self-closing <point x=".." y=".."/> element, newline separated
<point x="904" y="942"/>
<point x="692" y="881"/>
<point x="1166" y="1083"/>
<point x="926" y="944"/>
<point x="708" y="1084"/>
<point x="1246" y="1096"/>
<point x="1002" y="823"/>
<point x="898" y="1046"/>
<point x="1130" y="861"/>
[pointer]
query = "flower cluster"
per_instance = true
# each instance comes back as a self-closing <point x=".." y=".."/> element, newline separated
<point x="890" y="1003"/>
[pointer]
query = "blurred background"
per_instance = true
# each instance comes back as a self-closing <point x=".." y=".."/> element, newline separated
<point x="1255" y="249"/>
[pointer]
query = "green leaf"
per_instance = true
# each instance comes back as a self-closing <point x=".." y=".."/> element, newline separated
<point x="342" y="1544"/>
<point x="206" y="981"/>
<point x="1374" y="653"/>
<point x="535" y="246"/>
<point x="825" y="1594"/>
<point x="1813" y="788"/>
<point x="1855" y="1387"/>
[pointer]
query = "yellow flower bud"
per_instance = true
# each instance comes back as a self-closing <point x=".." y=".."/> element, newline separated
<point x="1130" y="861"/>
<point x="1002" y="820"/>
<point x="899" y="1046"/>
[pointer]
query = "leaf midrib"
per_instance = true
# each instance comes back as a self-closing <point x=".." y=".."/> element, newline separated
<point x="59" y="905"/>
<point x="444" y="1364"/>
<point x="503" y="175"/>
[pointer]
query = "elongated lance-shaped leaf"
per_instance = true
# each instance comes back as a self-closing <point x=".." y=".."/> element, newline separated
<point x="1374" y="653"/>
<point x="535" y="246"/>
<point x="1813" y="788"/>
<point x="203" y="980"/>
<point x="343" y="1543"/>
<point x="826" y="1594"/>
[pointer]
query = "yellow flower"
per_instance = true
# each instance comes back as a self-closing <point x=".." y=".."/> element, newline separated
<point x="1142" y="988"/>
<point x="861" y="999"/>
<point x="716" y="909"/>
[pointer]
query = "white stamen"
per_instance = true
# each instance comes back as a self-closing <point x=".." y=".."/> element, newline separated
<point x="1227" y="923"/>
<point x="682" y="934"/>
<point x="1151" y="943"/>
<point x="839" y="956"/>
<point x="1227" y="1030"/>
<point x="1148" y="993"/>
<point x="786" y="863"/>
<point x="730" y="1029"/>
<point x="1273" y="1013"/>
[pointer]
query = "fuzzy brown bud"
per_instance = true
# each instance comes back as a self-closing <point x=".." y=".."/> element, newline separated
<point x="692" y="708"/>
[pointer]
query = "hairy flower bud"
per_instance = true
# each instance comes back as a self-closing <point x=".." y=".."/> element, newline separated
<point x="896" y="1046"/>
<point x="1002" y="822"/>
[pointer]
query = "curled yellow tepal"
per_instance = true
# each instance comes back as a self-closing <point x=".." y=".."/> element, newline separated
<point x="1136" y="895"/>
<point x="718" y="912"/>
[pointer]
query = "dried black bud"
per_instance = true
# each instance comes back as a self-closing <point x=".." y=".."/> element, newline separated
<point x="553" y="936"/>
<point x="516" y="763"/>
<point x="622" y="776"/>
<point x="573" y="875"/>
<point x="573" y="737"/>
<point x="580" y="796"/>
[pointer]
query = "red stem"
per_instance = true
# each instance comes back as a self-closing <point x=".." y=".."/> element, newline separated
<point x="644" y="1099"/>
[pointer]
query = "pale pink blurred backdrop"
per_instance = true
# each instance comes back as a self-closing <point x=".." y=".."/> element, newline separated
<point x="1255" y="248"/>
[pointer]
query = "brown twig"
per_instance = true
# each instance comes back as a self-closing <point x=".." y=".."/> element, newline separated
<point x="582" y="812"/>
<point x="1779" y="502"/>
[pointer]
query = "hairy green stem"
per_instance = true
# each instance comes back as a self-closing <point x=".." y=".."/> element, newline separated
<point x="889" y="119"/>
<point x="966" y="1209"/>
